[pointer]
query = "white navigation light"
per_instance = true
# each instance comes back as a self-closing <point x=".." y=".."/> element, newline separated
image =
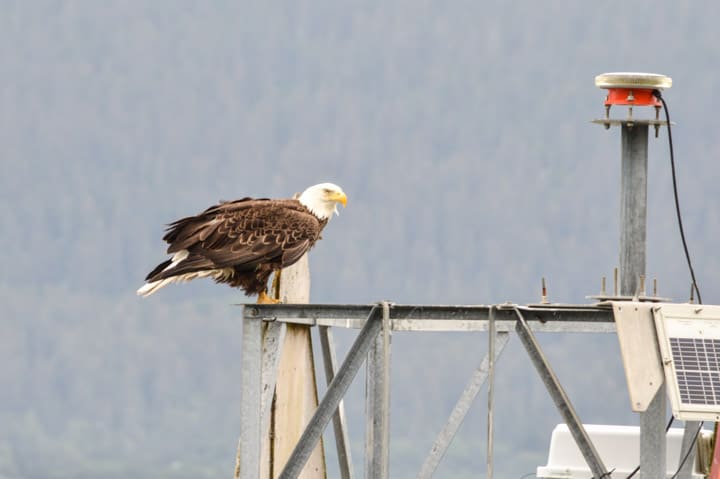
<point x="632" y="90"/>
<point x="649" y="81"/>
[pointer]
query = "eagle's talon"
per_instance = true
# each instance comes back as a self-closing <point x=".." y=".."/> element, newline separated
<point x="263" y="298"/>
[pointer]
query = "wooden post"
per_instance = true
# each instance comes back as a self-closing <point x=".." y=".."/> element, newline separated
<point x="296" y="396"/>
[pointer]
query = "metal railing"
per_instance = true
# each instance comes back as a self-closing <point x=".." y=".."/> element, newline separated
<point x="263" y="327"/>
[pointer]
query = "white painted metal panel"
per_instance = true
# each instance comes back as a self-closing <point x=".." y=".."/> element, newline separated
<point x="639" y="349"/>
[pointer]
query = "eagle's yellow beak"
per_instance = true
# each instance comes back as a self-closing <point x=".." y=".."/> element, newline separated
<point x="340" y="197"/>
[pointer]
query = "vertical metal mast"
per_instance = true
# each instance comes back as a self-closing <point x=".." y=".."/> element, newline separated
<point x="633" y="207"/>
<point x="633" y="247"/>
<point x="636" y="89"/>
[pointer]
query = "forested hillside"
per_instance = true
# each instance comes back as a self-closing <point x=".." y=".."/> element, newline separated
<point x="459" y="130"/>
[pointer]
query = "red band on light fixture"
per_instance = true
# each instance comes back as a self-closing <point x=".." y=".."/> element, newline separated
<point x="628" y="96"/>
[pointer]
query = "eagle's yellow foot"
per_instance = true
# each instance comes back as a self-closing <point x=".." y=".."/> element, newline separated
<point x="263" y="298"/>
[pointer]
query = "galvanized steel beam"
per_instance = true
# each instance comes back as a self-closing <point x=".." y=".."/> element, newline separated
<point x="492" y="334"/>
<point x="377" y="403"/>
<point x="633" y="246"/>
<point x="273" y="339"/>
<point x="342" y="439"/>
<point x="633" y="207"/>
<point x="248" y="459"/>
<point x="685" y="470"/>
<point x="653" y="443"/>
<point x="555" y="318"/>
<point x="272" y="343"/>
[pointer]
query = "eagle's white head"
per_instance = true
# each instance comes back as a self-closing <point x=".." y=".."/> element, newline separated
<point x="322" y="199"/>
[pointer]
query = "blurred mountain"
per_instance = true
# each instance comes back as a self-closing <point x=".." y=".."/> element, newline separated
<point x="460" y="131"/>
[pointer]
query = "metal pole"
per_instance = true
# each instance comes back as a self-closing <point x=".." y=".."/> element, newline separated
<point x="273" y="339"/>
<point x="633" y="245"/>
<point x="377" y="403"/>
<point x="272" y="343"/>
<point x="633" y="206"/>
<point x="686" y="470"/>
<point x="491" y="386"/>
<point x="248" y="458"/>
<point x="652" y="437"/>
<point x="335" y="392"/>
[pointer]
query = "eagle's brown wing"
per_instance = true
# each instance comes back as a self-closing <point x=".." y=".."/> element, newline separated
<point x="244" y="234"/>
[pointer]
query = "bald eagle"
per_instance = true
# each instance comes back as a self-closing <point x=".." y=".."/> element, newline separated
<point x="242" y="242"/>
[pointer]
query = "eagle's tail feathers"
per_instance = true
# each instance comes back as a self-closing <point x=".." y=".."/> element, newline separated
<point x="149" y="288"/>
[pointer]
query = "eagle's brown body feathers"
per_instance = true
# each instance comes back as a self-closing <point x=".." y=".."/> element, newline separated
<point x="241" y="242"/>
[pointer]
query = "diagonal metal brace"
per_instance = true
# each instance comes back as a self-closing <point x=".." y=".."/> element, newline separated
<point x="335" y="392"/>
<point x="342" y="439"/>
<point x="560" y="398"/>
<point x="457" y="416"/>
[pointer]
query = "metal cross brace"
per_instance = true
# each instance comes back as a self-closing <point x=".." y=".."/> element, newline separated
<point x="562" y="401"/>
<point x="334" y="394"/>
<point x="457" y="416"/>
<point x="342" y="440"/>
